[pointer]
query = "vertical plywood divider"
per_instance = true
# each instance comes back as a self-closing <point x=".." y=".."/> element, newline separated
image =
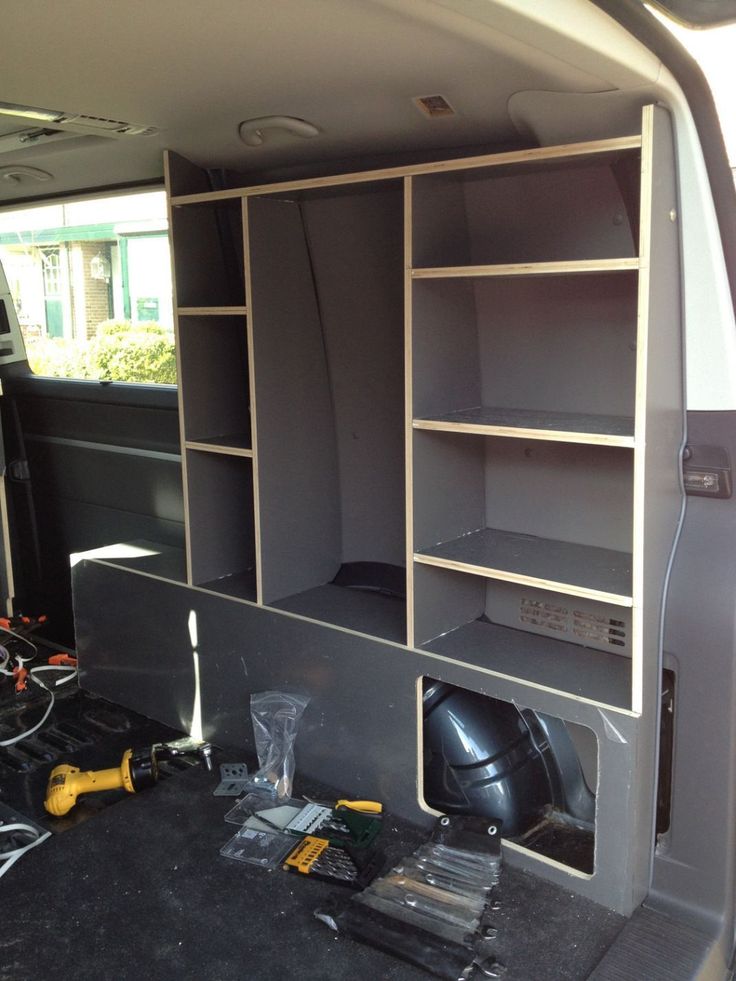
<point x="295" y="446"/>
<point x="409" y="409"/>
<point x="253" y="403"/>
<point x="179" y="172"/>
<point x="659" y="436"/>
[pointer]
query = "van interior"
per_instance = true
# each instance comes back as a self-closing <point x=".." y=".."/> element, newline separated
<point x="419" y="505"/>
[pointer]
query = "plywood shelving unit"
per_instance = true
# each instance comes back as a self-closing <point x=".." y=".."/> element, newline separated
<point x="453" y="377"/>
<point x="214" y="401"/>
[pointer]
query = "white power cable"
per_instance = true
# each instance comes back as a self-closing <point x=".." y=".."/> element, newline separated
<point x="8" y="859"/>
<point x="32" y="674"/>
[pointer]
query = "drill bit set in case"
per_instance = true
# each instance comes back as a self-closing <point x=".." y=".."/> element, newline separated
<point x="339" y="837"/>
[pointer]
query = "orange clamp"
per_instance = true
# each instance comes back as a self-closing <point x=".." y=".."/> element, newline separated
<point x="21" y="679"/>
<point x="65" y="660"/>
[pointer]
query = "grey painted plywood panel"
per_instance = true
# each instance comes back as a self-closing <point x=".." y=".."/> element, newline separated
<point x="361" y="725"/>
<point x="563" y="343"/>
<point x="586" y="673"/>
<point x="214" y="376"/>
<point x="439" y="221"/>
<point x="562" y="213"/>
<point x="356" y="245"/>
<point x="184" y="177"/>
<point x="446" y="372"/>
<point x="580" y="566"/>
<point x="449" y="486"/>
<point x="603" y="626"/>
<point x="221" y="532"/>
<point x="444" y="600"/>
<point x="297" y="449"/>
<point x="205" y="274"/>
<point x="660" y="434"/>
<point x="566" y="491"/>
<point x="241" y="585"/>
<point x="570" y="423"/>
<point x="522" y="213"/>
<point x="367" y="612"/>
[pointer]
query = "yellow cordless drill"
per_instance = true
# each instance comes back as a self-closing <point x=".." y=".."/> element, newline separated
<point x="138" y="769"/>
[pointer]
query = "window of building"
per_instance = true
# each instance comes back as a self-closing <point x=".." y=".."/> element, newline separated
<point x="91" y="281"/>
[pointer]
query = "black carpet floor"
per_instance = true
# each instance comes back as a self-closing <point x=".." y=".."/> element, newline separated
<point x="141" y="891"/>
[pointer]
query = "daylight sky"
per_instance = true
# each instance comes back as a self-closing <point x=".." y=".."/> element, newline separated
<point x="715" y="50"/>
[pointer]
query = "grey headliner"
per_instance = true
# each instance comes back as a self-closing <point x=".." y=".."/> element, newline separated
<point x="195" y="70"/>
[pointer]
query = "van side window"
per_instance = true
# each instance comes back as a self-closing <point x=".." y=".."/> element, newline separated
<point x="91" y="281"/>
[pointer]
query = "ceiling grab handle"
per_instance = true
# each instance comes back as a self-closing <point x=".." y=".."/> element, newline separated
<point x="253" y="131"/>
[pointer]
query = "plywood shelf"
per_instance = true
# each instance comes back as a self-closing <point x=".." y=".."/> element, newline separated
<point x="577" y="671"/>
<point x="557" y="268"/>
<point x="563" y="567"/>
<point x="568" y="427"/>
<point x="237" y="444"/>
<point x="212" y="311"/>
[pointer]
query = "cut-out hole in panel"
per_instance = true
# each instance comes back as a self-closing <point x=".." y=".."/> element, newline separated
<point x="534" y="772"/>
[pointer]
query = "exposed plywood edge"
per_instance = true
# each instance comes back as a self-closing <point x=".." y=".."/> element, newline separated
<point x="522" y="580"/>
<point x="170" y="161"/>
<point x="570" y="150"/>
<point x="7" y="553"/>
<point x="221" y="448"/>
<point x="550" y="435"/>
<point x="253" y="410"/>
<point x="557" y="268"/>
<point x="212" y="311"/>
<point x="640" y="412"/>
<point x="408" y="409"/>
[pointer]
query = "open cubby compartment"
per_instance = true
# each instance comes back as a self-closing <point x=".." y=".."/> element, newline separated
<point x="567" y="644"/>
<point x="208" y="248"/>
<point x="547" y="353"/>
<point x="326" y="277"/>
<point x="213" y="354"/>
<point x="184" y="177"/>
<point x="537" y="774"/>
<point x="562" y="209"/>
<point x="221" y="523"/>
<point x="553" y="515"/>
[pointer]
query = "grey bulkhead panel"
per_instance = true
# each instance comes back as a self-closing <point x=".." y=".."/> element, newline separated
<point x="362" y="729"/>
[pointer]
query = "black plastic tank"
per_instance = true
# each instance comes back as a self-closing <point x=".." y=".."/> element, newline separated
<point x="486" y="756"/>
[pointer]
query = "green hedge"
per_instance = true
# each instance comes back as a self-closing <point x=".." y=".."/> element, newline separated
<point x="119" y="351"/>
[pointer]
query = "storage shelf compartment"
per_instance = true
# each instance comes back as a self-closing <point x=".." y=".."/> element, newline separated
<point x="368" y="612"/>
<point x="548" y="514"/>
<point x="571" y="427"/>
<point x="553" y="664"/>
<point x="575" y="646"/>
<point x="580" y="570"/>
<point x="546" y="346"/>
<point x="529" y="212"/>
<point x="208" y="249"/>
<point x="326" y="274"/>
<point x="221" y="519"/>
<point x="214" y="383"/>
<point x="240" y="585"/>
